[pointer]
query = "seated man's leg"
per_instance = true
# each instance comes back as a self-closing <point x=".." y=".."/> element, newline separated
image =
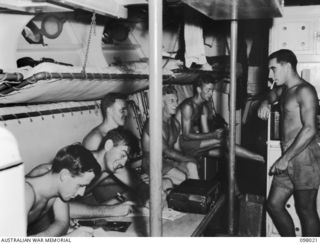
<point x="306" y="206"/>
<point x="210" y="143"/>
<point x="189" y="168"/>
<point x="245" y="153"/>
<point x="192" y="169"/>
<point x="277" y="199"/>
<point x="216" y="152"/>
<point x="194" y="147"/>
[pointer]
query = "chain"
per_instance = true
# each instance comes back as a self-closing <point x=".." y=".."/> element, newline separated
<point x="92" y="29"/>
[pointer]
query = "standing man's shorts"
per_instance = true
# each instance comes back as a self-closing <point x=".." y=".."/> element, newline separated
<point x="303" y="172"/>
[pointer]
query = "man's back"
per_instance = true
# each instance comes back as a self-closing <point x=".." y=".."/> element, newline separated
<point x="40" y="205"/>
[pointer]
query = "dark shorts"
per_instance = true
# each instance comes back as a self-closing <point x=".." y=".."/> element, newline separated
<point x="167" y="164"/>
<point x="190" y="147"/>
<point x="303" y="172"/>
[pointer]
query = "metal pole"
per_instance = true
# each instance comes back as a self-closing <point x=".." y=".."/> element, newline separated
<point x="155" y="101"/>
<point x="232" y="118"/>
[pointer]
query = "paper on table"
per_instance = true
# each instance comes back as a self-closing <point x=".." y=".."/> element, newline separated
<point x="167" y="213"/>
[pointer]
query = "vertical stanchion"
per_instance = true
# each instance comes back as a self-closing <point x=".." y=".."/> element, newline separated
<point x="232" y="117"/>
<point x="155" y="101"/>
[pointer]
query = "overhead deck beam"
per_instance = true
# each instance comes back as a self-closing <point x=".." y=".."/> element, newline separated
<point x="111" y="8"/>
<point x="30" y="6"/>
<point x="246" y="9"/>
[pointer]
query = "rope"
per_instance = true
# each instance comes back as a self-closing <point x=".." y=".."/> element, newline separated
<point x="92" y="29"/>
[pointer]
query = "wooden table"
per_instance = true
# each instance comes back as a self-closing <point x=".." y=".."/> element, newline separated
<point x="187" y="225"/>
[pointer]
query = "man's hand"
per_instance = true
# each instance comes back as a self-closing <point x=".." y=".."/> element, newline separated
<point x="145" y="178"/>
<point x="264" y="110"/>
<point x="82" y="231"/>
<point x="219" y="133"/>
<point x="123" y="209"/>
<point x="279" y="166"/>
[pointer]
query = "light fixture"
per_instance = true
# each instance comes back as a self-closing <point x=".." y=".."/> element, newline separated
<point x="51" y="26"/>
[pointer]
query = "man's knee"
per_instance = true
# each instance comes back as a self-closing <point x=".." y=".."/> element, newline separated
<point x="192" y="168"/>
<point x="273" y="206"/>
<point x="176" y="176"/>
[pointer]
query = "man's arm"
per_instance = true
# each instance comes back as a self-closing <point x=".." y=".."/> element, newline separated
<point x="308" y="103"/>
<point x="187" y="126"/>
<point x="271" y="98"/>
<point x="173" y="153"/>
<point x="81" y="210"/>
<point x="29" y="199"/>
<point x="60" y="225"/>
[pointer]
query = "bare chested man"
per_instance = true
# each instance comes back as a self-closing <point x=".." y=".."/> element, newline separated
<point x="52" y="186"/>
<point x="114" y="113"/>
<point x="176" y="166"/>
<point x="297" y="171"/>
<point x="196" y="138"/>
<point x="111" y="157"/>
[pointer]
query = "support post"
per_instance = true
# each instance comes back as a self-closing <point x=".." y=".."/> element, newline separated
<point x="155" y="101"/>
<point x="232" y="120"/>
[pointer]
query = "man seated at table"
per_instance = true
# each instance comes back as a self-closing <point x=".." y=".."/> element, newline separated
<point x="52" y="186"/>
<point x="112" y="156"/>
<point x="114" y="114"/>
<point x="176" y="167"/>
<point x="196" y="138"/>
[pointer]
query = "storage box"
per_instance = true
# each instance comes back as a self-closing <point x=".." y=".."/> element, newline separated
<point x="194" y="196"/>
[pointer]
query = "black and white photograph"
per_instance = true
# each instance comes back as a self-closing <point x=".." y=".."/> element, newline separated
<point x="159" y="118"/>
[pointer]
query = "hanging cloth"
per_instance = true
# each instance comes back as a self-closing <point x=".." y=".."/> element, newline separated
<point x="193" y="36"/>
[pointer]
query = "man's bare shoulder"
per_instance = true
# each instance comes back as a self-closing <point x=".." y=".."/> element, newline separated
<point x="93" y="139"/>
<point x="186" y="107"/>
<point x="306" y="91"/>
<point x="186" y="103"/>
<point x="39" y="170"/>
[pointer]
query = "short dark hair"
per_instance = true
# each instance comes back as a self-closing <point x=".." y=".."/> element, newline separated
<point x="201" y="80"/>
<point x="108" y="100"/>
<point x="77" y="159"/>
<point x="169" y="89"/>
<point x="122" y="136"/>
<point x="285" y="56"/>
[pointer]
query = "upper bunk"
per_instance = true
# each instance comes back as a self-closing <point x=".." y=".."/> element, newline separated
<point x="56" y="51"/>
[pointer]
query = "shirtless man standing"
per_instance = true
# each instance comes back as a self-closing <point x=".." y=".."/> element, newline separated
<point x="196" y="139"/>
<point x="114" y="113"/>
<point x="176" y="166"/>
<point x="51" y="186"/>
<point x="297" y="171"/>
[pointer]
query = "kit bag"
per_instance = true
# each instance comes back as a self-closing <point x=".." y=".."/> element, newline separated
<point x="194" y="196"/>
